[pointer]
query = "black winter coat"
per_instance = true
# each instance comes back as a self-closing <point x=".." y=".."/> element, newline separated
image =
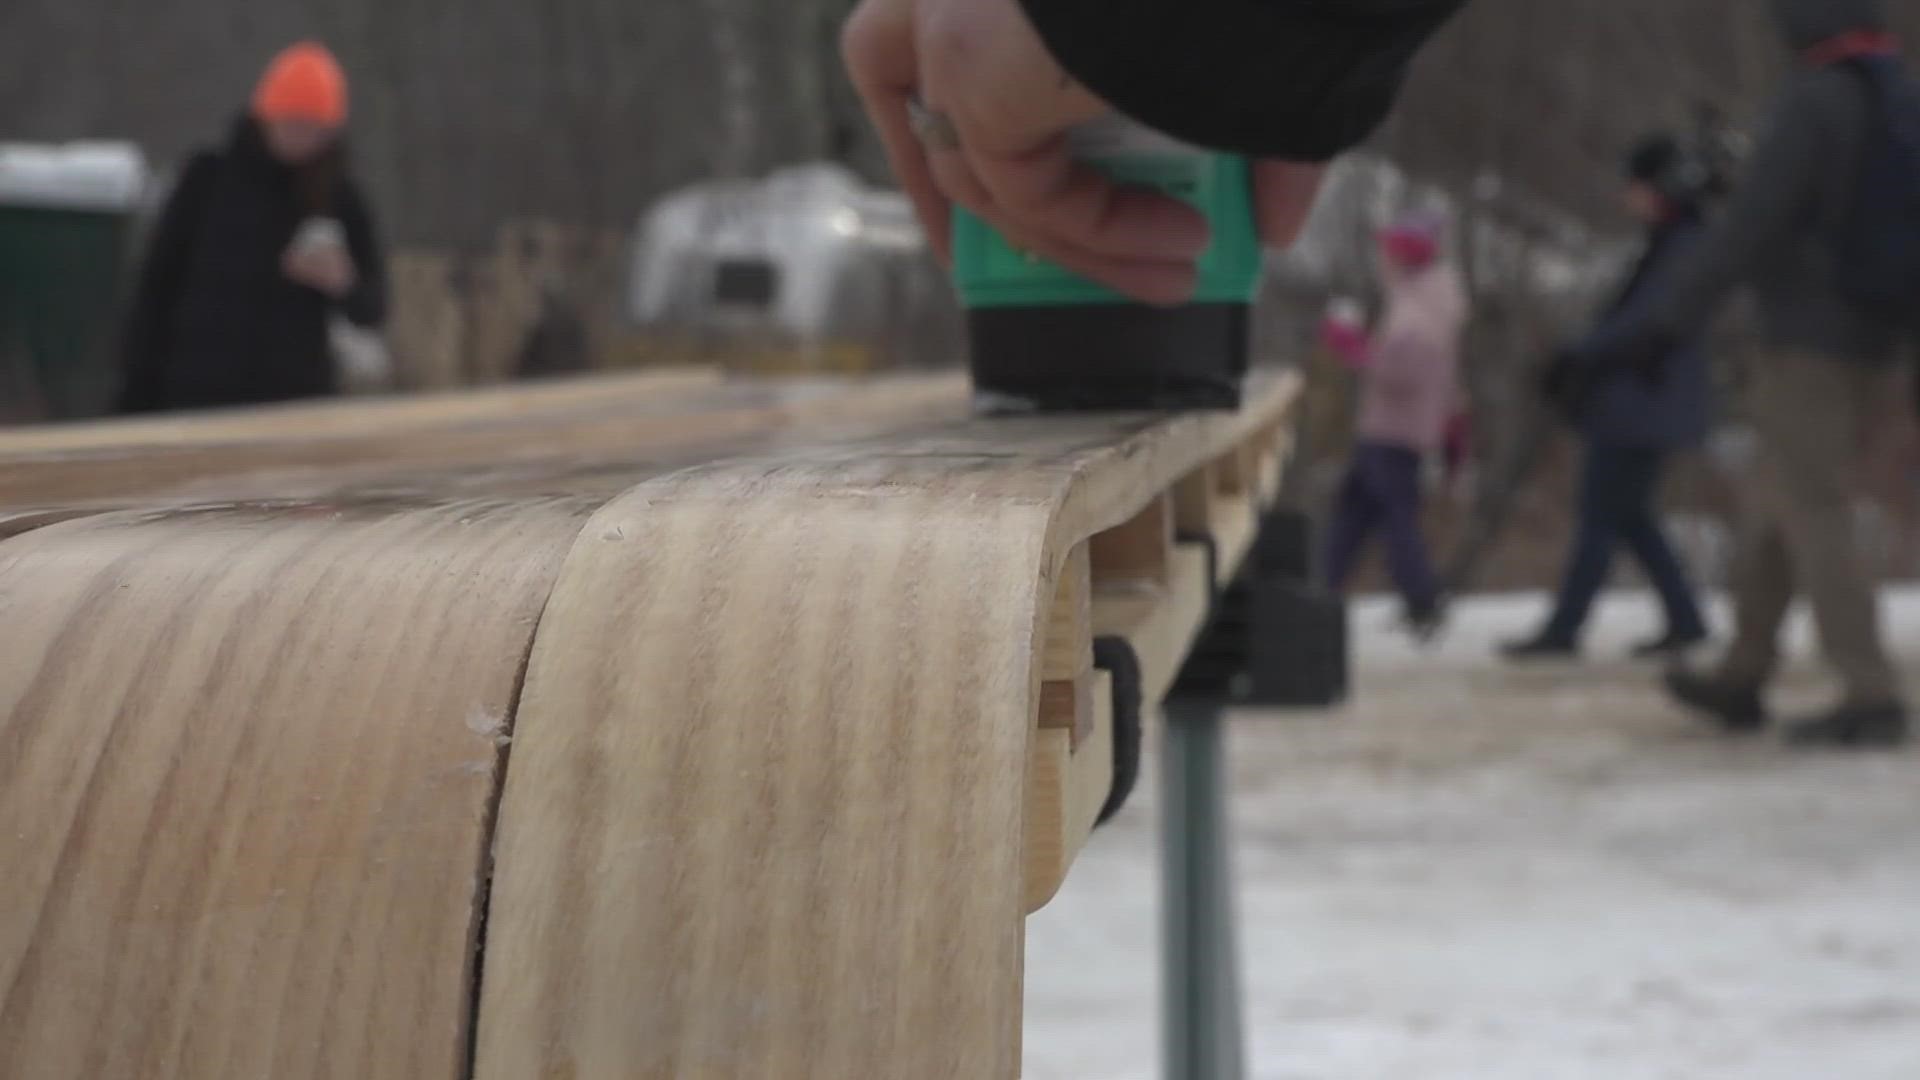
<point x="215" y="321"/>
<point x="1300" y="80"/>
<point x="1672" y="411"/>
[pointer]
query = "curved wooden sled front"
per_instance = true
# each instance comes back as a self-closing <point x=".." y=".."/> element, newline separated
<point x="767" y="813"/>
<point x="791" y="743"/>
<point x="250" y="748"/>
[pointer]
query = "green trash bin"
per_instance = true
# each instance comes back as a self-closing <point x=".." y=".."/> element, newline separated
<point x="66" y="217"/>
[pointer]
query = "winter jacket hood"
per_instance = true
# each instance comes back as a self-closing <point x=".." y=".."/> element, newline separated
<point x="1809" y="22"/>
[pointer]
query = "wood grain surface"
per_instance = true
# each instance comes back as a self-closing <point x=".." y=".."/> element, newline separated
<point x="816" y="869"/>
<point x="247" y="765"/>
<point x="683" y="731"/>
<point x="241" y="456"/>
<point x="250" y="746"/>
<point x="347" y="417"/>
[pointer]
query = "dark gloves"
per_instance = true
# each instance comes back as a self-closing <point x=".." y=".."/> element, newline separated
<point x="1566" y="383"/>
<point x="1643" y="352"/>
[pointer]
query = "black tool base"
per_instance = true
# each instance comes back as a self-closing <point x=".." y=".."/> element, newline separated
<point x="1109" y="357"/>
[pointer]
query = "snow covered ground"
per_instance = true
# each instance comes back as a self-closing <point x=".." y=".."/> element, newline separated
<point x="1473" y="873"/>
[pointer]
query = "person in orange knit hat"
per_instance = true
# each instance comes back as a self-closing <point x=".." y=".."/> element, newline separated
<point x="261" y="247"/>
<point x="303" y="83"/>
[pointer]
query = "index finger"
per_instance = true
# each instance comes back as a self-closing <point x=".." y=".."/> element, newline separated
<point x="878" y="46"/>
<point x="1046" y="191"/>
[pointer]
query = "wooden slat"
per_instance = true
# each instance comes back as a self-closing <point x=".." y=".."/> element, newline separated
<point x="1162" y="622"/>
<point x="1089" y="781"/>
<point x="1138" y="550"/>
<point x="1235" y="527"/>
<point x="1066" y="656"/>
<point x="1068" y="650"/>
<point x="639" y="412"/>
<point x="1048" y="832"/>
<point x="1273" y="467"/>
<point x="1067" y="705"/>
<point x="1203" y="507"/>
<point x="1194" y="498"/>
<point x="348" y="417"/>
<point x="1065" y="791"/>
<point x="1156" y="595"/>
<point x="1233" y="473"/>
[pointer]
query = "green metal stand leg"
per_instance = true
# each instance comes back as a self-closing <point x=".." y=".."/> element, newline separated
<point x="1201" y="978"/>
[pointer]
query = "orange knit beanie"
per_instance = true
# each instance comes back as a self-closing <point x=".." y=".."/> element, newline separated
<point x="303" y="83"/>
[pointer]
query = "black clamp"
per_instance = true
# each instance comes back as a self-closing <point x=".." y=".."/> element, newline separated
<point x="1115" y="656"/>
<point x="1214" y="667"/>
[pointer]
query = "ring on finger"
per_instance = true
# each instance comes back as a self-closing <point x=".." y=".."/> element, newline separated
<point x="932" y="127"/>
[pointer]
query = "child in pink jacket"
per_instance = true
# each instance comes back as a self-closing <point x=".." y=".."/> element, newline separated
<point x="1409" y="367"/>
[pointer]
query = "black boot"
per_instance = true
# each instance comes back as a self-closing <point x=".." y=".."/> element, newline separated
<point x="1544" y="646"/>
<point x="1669" y="646"/>
<point x="1735" y="708"/>
<point x="1426" y="621"/>
<point x="1860" y="727"/>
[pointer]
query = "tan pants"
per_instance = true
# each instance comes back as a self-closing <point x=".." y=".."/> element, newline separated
<point x="1813" y="416"/>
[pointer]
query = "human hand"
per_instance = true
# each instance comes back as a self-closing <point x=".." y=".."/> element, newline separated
<point x="1642" y="351"/>
<point x="998" y="108"/>
<point x="1343" y="331"/>
<point x="325" y="268"/>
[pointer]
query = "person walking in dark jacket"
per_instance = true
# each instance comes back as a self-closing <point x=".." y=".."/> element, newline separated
<point x="1634" y="421"/>
<point x="259" y="247"/>
<point x="1815" y="391"/>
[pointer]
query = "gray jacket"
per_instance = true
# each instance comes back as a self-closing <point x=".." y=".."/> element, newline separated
<point x="1779" y="231"/>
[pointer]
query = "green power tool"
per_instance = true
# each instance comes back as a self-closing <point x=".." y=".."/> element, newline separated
<point x="1045" y="338"/>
